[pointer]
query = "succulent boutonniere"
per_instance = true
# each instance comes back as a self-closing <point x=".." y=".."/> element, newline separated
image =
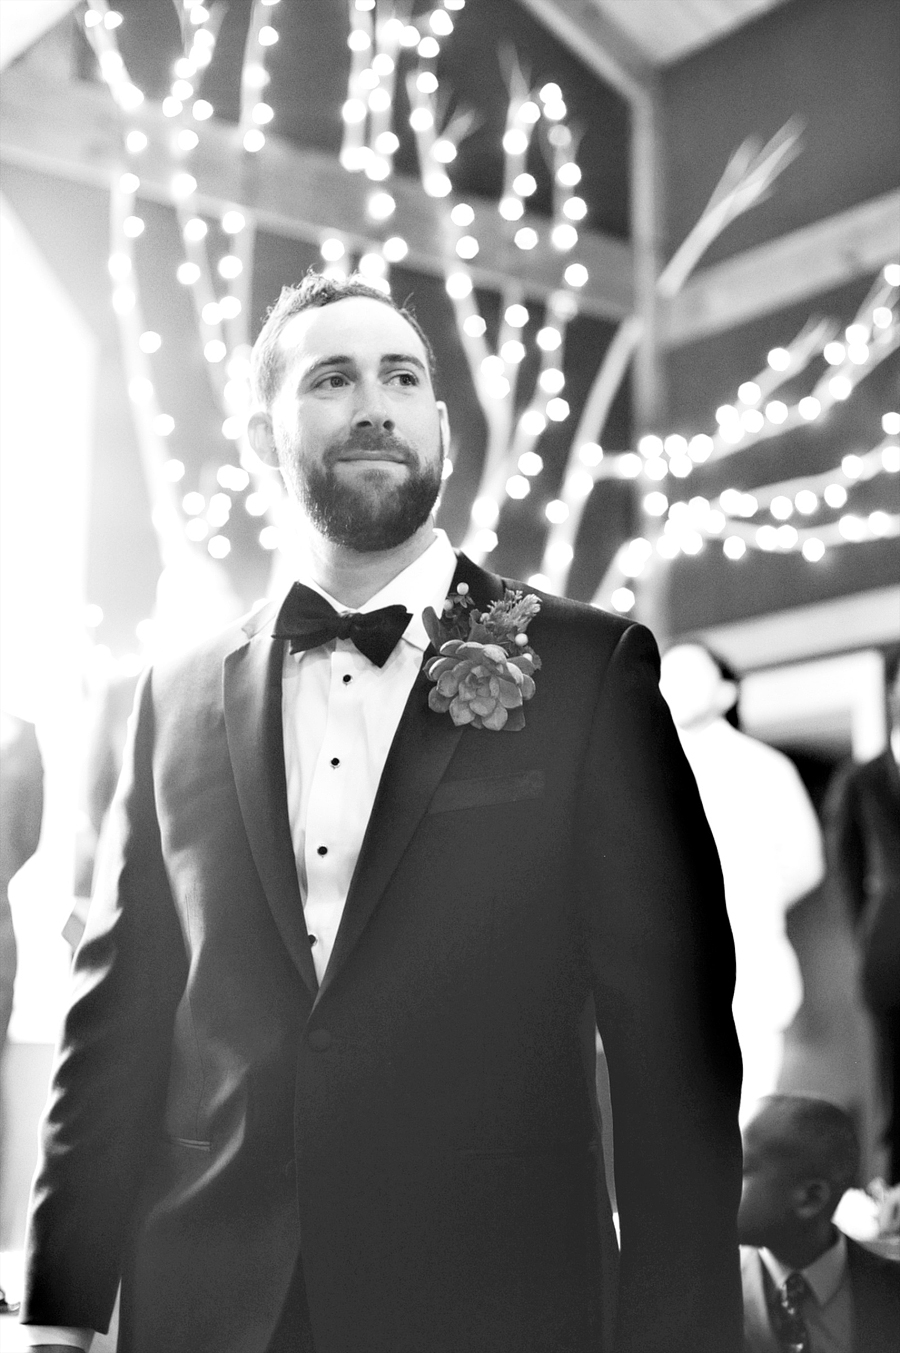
<point x="483" y="673"/>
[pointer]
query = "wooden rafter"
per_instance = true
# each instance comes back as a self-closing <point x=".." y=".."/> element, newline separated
<point x="75" y="132"/>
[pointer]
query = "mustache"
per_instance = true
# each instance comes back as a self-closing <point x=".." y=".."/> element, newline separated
<point x="371" y="440"/>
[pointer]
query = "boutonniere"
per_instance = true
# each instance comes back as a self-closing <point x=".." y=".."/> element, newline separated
<point x="483" y="673"/>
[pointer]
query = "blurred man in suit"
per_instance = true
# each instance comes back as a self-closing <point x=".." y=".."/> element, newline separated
<point x="807" y="1287"/>
<point x="327" y="1077"/>
<point x="862" y="836"/>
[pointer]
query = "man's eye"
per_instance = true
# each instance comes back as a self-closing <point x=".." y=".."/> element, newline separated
<point x="405" y="377"/>
<point x="333" y="381"/>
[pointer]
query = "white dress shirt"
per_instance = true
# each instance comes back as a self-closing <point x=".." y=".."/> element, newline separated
<point x="339" y="715"/>
<point x="828" y="1310"/>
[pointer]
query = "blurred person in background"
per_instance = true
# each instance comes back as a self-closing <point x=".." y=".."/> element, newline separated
<point x="808" y="1288"/>
<point x="862" y="836"/>
<point x="769" y="843"/>
<point x="21" y="811"/>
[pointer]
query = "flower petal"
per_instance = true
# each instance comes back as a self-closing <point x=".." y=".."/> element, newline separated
<point x="497" y="719"/>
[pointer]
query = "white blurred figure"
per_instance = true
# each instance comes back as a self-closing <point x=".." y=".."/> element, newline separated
<point x="770" y="846"/>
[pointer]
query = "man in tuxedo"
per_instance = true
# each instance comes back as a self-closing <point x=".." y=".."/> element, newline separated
<point x="862" y="838"/>
<point x="327" y="1079"/>
<point x="807" y="1287"/>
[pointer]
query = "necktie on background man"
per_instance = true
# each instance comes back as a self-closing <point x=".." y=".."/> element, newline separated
<point x="309" y="621"/>
<point x="787" y="1314"/>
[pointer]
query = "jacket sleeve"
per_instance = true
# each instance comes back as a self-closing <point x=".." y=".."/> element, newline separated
<point x="109" y="1083"/>
<point x="844" y="844"/>
<point x="663" y="977"/>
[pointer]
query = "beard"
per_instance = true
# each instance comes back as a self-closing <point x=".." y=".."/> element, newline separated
<point x="378" y="512"/>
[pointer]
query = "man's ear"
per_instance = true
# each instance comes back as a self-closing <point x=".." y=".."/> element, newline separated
<point x="811" y="1198"/>
<point x="262" y="439"/>
<point x="444" y="422"/>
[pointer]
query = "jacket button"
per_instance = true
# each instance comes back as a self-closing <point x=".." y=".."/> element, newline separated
<point x="320" y="1039"/>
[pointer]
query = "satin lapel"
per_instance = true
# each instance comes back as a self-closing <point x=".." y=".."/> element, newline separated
<point x="420" y="754"/>
<point x="252" y="698"/>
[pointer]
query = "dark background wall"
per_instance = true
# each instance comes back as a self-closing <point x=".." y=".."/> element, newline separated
<point x="834" y="65"/>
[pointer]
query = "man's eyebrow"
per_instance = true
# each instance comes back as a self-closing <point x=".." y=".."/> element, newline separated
<point x="336" y="359"/>
<point x="403" y="359"/>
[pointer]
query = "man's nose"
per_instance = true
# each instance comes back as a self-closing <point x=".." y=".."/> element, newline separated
<point x="372" y="408"/>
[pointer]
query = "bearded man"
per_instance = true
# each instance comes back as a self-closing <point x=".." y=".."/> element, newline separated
<point x="382" y="861"/>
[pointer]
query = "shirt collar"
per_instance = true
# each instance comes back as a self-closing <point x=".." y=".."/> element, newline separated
<point x="425" y="582"/>
<point x="824" y="1274"/>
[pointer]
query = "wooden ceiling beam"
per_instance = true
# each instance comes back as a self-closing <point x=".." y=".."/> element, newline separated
<point x="601" y="44"/>
<point x="75" y="131"/>
<point x="783" y="271"/>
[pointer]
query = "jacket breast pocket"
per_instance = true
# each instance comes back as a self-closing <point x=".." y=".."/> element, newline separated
<point x="453" y="795"/>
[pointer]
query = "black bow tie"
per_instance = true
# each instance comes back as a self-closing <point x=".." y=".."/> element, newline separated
<point x="308" y="620"/>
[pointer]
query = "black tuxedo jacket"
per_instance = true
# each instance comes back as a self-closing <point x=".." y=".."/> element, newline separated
<point x="423" y="1125"/>
<point x="862" y="838"/>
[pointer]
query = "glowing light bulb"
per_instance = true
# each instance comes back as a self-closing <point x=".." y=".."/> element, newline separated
<point x="202" y="110"/>
<point x="525" y="184"/>
<point x="809" y="408"/>
<point x="136" y="141"/>
<point x="512" y="351"/>
<point x="515" y="142"/>
<point x="132" y="226"/>
<point x="517" y="486"/>
<point x="564" y="236"/>
<point x="230" y="266"/>
<point x="530" y="463"/>
<point x="467" y="247"/>
<point x="779" y="359"/>
<point x="733" y="547"/>
<point x="655" y="504"/>
<point x="812" y="549"/>
<point x="806" y="502"/>
<point x="526" y="238"/>
<point x="834" y="353"/>
<point x="568" y="175"/>
<point x="486" y="541"/>
<point x="444" y="151"/>
<point x="182" y="186"/>
<point x="590" y="453"/>
<point x="429" y="48"/>
<point x="474" y="325"/>
<point x="440" y="23"/>
<point x="262" y="113"/>
<point x="164" y="426"/>
<point x="485" y="511"/>
<point x="556" y="511"/>
<point x="187" y="273"/>
<point x="749" y="392"/>
<point x="576" y="274"/>
<point x="557" y="410"/>
<point x="835" y="495"/>
<point x="776" y="411"/>
<point x="891" y="274"/>
<point x="511" y="208"/>
<point x="458" y="286"/>
<point x="214" y="350"/>
<point x="149" y="341"/>
<point x="268" y="36"/>
<point x="395" y="249"/>
<point x="380" y="206"/>
<point x="233" y="222"/>
<point x="516" y="316"/>
<point x="890" y="424"/>
<point x="575" y="208"/>
<point x="533" y="422"/>
<point x="548" y="338"/>
<point x="623" y="599"/>
<point x="173" y="470"/>
<point x="551" y="380"/>
<point x="195" y="228"/>
<point x="840" y="387"/>
<point x="254" y="140"/>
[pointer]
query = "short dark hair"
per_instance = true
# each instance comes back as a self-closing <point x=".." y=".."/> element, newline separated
<point x="267" y="358"/>
<point x="815" y="1138"/>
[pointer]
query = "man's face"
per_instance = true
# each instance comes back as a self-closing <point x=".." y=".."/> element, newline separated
<point x="766" y="1213"/>
<point x="358" y="432"/>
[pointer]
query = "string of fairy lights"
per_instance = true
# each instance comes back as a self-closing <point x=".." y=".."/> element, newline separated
<point x="794" y="517"/>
